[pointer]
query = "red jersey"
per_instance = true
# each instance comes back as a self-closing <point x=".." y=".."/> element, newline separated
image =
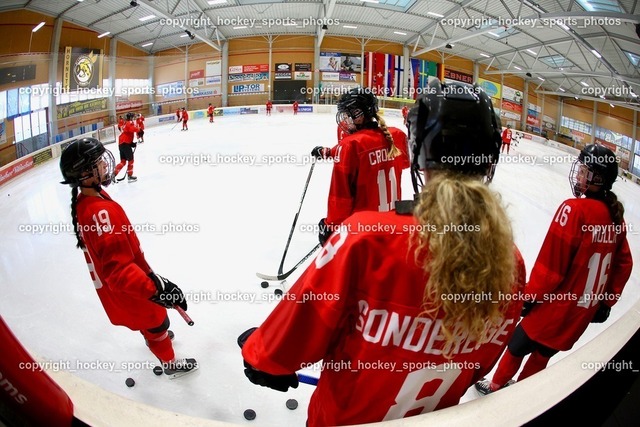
<point x="405" y="112"/>
<point x="121" y="123"/>
<point x="582" y="261"/>
<point x="506" y="136"/>
<point x="178" y="111"/>
<point x="185" y="116"/>
<point x="117" y="265"/>
<point x="295" y="106"/>
<point x="210" y="110"/>
<point x="359" y="308"/>
<point x="341" y="134"/>
<point x="269" y="105"/>
<point x="140" y="122"/>
<point x="364" y="178"/>
<point x="128" y="130"/>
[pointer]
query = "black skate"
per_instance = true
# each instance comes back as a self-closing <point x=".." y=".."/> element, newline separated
<point x="484" y="386"/>
<point x="179" y="368"/>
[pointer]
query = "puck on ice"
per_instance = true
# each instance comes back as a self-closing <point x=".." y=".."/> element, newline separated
<point x="264" y="284"/>
<point x="250" y="414"/>
<point x="130" y="382"/>
<point x="292" y="404"/>
<point x="278" y="292"/>
<point x="157" y="370"/>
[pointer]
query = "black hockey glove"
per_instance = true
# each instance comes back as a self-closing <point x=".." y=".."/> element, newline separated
<point x="169" y="294"/>
<point x="134" y="144"/>
<point x="276" y="382"/>
<point x="320" y="152"/>
<point x="602" y="314"/>
<point x="527" y="307"/>
<point x="324" y="231"/>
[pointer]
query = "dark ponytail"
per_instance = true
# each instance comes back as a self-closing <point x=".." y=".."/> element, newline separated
<point x="616" y="209"/>
<point x="74" y="216"/>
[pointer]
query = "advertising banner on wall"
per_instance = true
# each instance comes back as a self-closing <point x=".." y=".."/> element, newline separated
<point x="81" y="107"/>
<point x="511" y="94"/>
<point x="197" y="74"/>
<point x="247" y="88"/>
<point x="196" y="82"/>
<point x="213" y="68"/>
<point x="128" y="105"/>
<point x="283" y="68"/>
<point x="494" y="90"/>
<point x="458" y="76"/>
<point x="248" y="77"/>
<point x="282" y="76"/>
<point x="214" y="80"/>
<point x="303" y="66"/>
<point x="259" y="68"/>
<point x="331" y="77"/>
<point x="82" y="68"/>
<point x="302" y="75"/>
<point x="351" y="63"/>
<point x="235" y="69"/>
<point x="330" y="61"/>
<point x="347" y="77"/>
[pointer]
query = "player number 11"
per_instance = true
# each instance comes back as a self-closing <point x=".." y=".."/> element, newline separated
<point x="385" y="203"/>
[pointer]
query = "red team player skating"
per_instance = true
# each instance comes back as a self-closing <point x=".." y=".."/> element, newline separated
<point x="140" y="124"/>
<point x="376" y="306"/>
<point x="269" y="105"/>
<point x="584" y="264"/>
<point x="126" y="147"/>
<point x="184" y="114"/>
<point x="368" y="162"/>
<point x="295" y="107"/>
<point x="210" y="112"/>
<point x="506" y="139"/>
<point x="132" y="294"/>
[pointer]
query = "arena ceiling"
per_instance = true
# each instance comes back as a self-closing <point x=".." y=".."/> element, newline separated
<point x="585" y="48"/>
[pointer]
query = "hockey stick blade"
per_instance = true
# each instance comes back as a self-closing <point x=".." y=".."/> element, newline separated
<point x="290" y="272"/>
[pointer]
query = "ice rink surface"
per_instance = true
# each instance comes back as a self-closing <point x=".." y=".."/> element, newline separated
<point x="210" y="212"/>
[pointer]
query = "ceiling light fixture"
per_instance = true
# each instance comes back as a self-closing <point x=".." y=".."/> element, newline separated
<point x="133" y="3"/>
<point x="400" y="33"/>
<point x="37" y="27"/>
<point x="437" y="15"/>
<point x="104" y="34"/>
<point x="146" y="18"/>
<point x="485" y="55"/>
<point x="147" y="44"/>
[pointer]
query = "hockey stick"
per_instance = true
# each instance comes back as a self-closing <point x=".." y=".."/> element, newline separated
<point x="306" y="379"/>
<point x="184" y="315"/>
<point x="283" y="276"/>
<point x="295" y="218"/>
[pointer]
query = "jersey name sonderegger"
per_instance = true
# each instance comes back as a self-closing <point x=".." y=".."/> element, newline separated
<point x="419" y="334"/>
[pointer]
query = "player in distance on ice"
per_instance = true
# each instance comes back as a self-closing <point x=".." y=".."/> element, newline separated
<point x="132" y="294"/>
<point x="368" y="161"/>
<point x="391" y="291"/>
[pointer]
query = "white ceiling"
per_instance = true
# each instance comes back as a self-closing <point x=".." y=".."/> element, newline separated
<point x="526" y="44"/>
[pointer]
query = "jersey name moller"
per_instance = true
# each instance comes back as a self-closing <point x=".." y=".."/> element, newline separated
<point x="419" y="334"/>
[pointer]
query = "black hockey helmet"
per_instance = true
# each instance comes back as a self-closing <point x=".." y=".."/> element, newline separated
<point x="85" y="158"/>
<point x="129" y="116"/>
<point x="453" y="126"/>
<point x="600" y="169"/>
<point x="358" y="102"/>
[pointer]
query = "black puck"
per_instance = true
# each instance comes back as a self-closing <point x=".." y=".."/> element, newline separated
<point x="249" y="414"/>
<point x="157" y="370"/>
<point x="130" y="382"/>
<point x="264" y="284"/>
<point x="278" y="292"/>
<point x="292" y="404"/>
